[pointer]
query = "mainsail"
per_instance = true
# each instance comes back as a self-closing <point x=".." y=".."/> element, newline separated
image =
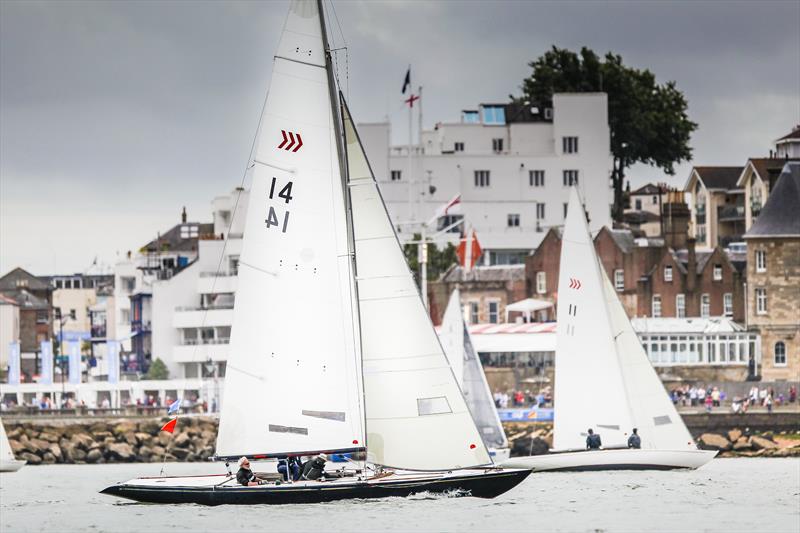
<point x="415" y="414"/>
<point x="589" y="387"/>
<point x="467" y="367"/>
<point x="289" y="389"/>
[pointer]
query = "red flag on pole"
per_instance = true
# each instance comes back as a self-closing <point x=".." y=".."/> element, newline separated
<point x="169" y="427"/>
<point x="468" y="254"/>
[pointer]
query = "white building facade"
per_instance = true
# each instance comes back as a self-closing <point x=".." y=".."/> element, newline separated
<point x="513" y="172"/>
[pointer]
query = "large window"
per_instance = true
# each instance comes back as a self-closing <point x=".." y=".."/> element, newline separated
<point x="727" y="304"/>
<point x="513" y="220"/>
<point x="780" y="353"/>
<point x="481" y="178"/>
<point x="541" y="282"/>
<point x="539" y="211"/>
<point x="494" y="115"/>
<point x="705" y="305"/>
<point x="668" y="273"/>
<point x="536" y="178"/>
<point x="570" y="178"/>
<point x="396" y="175"/>
<point x="656" y="305"/>
<point x="494" y="312"/>
<point x="569" y="145"/>
<point x="761" y="301"/>
<point x="680" y="305"/>
<point x="761" y="261"/>
<point x="619" y="280"/>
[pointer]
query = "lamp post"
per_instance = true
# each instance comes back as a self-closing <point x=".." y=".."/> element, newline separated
<point x="61" y="321"/>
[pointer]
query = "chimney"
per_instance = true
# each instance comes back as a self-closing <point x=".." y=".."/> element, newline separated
<point x="183" y="215"/>
<point x="675" y="218"/>
<point x="691" y="266"/>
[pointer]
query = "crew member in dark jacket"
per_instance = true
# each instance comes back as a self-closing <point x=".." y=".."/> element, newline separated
<point x="290" y="464"/>
<point x="635" y="441"/>
<point x="245" y="476"/>
<point x="314" y="468"/>
<point x="593" y="441"/>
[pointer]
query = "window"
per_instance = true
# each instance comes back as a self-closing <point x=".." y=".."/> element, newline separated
<point x="780" y="353"/>
<point x="761" y="301"/>
<point x="668" y="273"/>
<point x="570" y="178"/>
<point x="396" y="175"/>
<point x="470" y="117"/>
<point x="701" y="232"/>
<point x="656" y="305"/>
<point x="125" y="316"/>
<point x="569" y="145"/>
<point x="619" y="280"/>
<point x="513" y="220"/>
<point x="727" y="304"/>
<point x="189" y="232"/>
<point x="433" y="406"/>
<point x="638" y="204"/>
<point x="536" y="178"/>
<point x="548" y="113"/>
<point x="655" y="200"/>
<point x="761" y="261"/>
<point x="539" y="211"/>
<point x="128" y="283"/>
<point x="458" y="147"/>
<point x="494" y="312"/>
<point x="717" y="272"/>
<point x="565" y="210"/>
<point x="541" y="282"/>
<point x="494" y="115"/>
<point x="450" y="223"/>
<point x="705" y="305"/>
<point x="481" y="178"/>
<point x="680" y="305"/>
<point x="497" y="145"/>
<point x="473" y="312"/>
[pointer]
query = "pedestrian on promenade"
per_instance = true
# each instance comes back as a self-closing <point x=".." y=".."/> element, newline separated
<point x="709" y="403"/>
<point x="768" y="402"/>
<point x="693" y="396"/>
<point x="792" y="394"/>
<point x="715" y="396"/>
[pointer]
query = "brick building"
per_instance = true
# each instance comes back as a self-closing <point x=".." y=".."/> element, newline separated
<point x="485" y="292"/>
<point x="773" y="273"/>
<point x="34" y="298"/>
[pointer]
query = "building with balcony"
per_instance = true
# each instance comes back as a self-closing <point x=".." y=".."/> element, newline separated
<point x="512" y="166"/>
<point x="717" y="207"/>
<point x="34" y="298"/>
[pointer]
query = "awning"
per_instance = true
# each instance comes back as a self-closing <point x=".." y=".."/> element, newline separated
<point x="528" y="306"/>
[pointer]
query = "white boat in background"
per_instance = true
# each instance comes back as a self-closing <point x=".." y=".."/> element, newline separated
<point x="603" y="378"/>
<point x="7" y="461"/>
<point x="468" y="371"/>
<point x="373" y="378"/>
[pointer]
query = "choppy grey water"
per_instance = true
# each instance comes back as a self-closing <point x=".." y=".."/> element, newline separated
<point x="725" y="495"/>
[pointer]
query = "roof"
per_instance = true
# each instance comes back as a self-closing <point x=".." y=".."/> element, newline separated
<point x="6" y="300"/>
<point x="640" y="217"/>
<point x="173" y="241"/>
<point x="650" y="188"/>
<point x="685" y="325"/>
<point x="11" y="281"/>
<point x="485" y="273"/>
<point x="702" y="258"/>
<point x="623" y="238"/>
<point x="26" y="300"/>
<point x="719" y="178"/>
<point x="779" y="216"/>
<point x="794" y="134"/>
<point x="529" y="304"/>
<point x="767" y="168"/>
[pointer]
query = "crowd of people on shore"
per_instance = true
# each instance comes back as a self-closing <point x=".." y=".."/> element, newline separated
<point x="526" y="398"/>
<point x="149" y="402"/>
<point x="711" y="397"/>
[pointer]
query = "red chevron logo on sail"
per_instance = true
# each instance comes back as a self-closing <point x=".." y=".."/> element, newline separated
<point x="574" y="283"/>
<point x="293" y="139"/>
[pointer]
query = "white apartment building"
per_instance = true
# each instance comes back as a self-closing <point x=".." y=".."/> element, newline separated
<point x="512" y="165"/>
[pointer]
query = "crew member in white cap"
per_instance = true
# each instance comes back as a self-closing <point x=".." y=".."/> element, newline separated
<point x="245" y="476"/>
<point x="314" y="468"/>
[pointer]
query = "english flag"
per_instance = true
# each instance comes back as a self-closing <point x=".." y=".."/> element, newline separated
<point x="445" y="209"/>
<point x="469" y="250"/>
<point x="407" y="80"/>
<point x="169" y="427"/>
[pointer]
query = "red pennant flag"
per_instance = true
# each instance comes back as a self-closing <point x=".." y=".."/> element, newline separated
<point x="169" y="427"/>
<point x="475" y="251"/>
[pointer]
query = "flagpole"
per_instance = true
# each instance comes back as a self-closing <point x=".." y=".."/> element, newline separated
<point x="410" y="179"/>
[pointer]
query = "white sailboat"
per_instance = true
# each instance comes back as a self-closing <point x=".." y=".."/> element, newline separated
<point x="7" y="461"/>
<point x="469" y="373"/>
<point x="603" y="378"/>
<point x="372" y="375"/>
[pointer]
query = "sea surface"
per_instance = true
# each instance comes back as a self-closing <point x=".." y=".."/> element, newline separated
<point x="752" y="495"/>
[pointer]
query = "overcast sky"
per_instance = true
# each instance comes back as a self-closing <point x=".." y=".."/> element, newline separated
<point x="114" y="115"/>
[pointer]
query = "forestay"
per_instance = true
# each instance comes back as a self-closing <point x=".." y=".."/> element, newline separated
<point x="289" y="389"/>
<point x="467" y="367"/>
<point x="416" y="416"/>
<point x="589" y="388"/>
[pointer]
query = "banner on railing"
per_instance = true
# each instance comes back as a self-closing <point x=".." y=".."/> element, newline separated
<point x="74" y="351"/>
<point x="13" y="363"/>
<point x="46" y="352"/>
<point x="112" y="360"/>
<point x="532" y="414"/>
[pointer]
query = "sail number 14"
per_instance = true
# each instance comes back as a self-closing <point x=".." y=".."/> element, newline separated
<point x="286" y="194"/>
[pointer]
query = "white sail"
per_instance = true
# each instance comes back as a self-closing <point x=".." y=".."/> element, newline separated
<point x="416" y="416"/>
<point x="654" y="415"/>
<point x="293" y="376"/>
<point x="589" y="387"/>
<point x="5" y="448"/>
<point x="467" y="367"/>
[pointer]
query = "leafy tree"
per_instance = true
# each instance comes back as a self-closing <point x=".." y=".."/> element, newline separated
<point x="158" y="370"/>
<point x="648" y="121"/>
<point x="439" y="260"/>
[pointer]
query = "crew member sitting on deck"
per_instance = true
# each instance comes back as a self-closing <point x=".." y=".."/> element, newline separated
<point x="245" y="476"/>
<point x="314" y="468"/>
<point x="635" y="441"/>
<point x="593" y="441"/>
<point x="291" y="464"/>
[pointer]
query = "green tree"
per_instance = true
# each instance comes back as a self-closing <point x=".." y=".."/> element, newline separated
<point x="648" y="121"/>
<point x="439" y="260"/>
<point x="158" y="370"/>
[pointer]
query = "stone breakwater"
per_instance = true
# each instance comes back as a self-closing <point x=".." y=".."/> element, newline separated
<point x="113" y="441"/>
<point x="527" y="439"/>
